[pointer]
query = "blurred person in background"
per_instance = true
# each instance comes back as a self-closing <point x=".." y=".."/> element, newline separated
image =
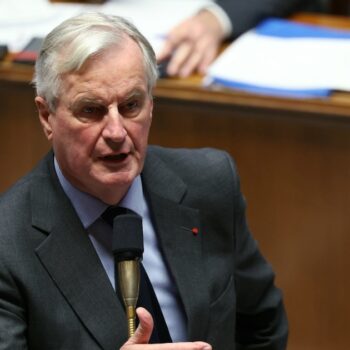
<point x="194" y="43"/>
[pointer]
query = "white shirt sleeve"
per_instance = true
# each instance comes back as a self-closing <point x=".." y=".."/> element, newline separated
<point x="222" y="16"/>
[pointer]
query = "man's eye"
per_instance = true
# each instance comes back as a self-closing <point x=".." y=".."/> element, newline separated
<point x="130" y="107"/>
<point x="91" y="112"/>
<point x="133" y="104"/>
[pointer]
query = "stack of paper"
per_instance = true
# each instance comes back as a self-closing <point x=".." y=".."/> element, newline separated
<point x="285" y="58"/>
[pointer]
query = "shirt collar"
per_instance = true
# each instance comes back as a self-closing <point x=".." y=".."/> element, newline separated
<point x="90" y="208"/>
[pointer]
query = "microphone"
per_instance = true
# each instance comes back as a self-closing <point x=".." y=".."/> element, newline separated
<point x="127" y="247"/>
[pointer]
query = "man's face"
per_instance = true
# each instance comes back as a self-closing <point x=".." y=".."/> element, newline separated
<point x="100" y="128"/>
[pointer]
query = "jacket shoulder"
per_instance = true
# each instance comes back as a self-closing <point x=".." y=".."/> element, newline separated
<point x="200" y="165"/>
<point x="14" y="201"/>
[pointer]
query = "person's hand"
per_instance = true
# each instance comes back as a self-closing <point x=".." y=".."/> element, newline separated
<point x="192" y="45"/>
<point x="143" y="333"/>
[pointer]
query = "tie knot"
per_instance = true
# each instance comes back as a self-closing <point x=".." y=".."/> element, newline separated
<point x="112" y="211"/>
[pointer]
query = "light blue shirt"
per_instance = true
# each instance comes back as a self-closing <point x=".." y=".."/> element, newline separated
<point x="89" y="210"/>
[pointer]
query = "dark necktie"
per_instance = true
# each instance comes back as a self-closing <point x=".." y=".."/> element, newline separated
<point x="147" y="296"/>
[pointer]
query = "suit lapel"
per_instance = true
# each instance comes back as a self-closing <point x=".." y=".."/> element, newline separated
<point x="181" y="247"/>
<point x="71" y="261"/>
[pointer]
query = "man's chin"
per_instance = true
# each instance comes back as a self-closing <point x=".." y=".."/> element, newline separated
<point x="111" y="191"/>
<point x="115" y="181"/>
<point x="120" y="180"/>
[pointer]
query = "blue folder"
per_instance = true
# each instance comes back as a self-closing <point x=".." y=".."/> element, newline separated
<point x="287" y="29"/>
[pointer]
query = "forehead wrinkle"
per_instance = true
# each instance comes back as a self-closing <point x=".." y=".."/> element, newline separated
<point x="116" y="96"/>
<point x="99" y="92"/>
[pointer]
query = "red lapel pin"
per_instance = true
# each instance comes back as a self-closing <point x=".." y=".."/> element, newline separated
<point x="195" y="231"/>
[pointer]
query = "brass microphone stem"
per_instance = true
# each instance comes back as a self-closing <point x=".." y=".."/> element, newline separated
<point x="129" y="284"/>
<point x="131" y="317"/>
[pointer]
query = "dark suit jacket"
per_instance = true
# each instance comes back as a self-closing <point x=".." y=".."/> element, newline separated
<point x="246" y="14"/>
<point x="55" y="294"/>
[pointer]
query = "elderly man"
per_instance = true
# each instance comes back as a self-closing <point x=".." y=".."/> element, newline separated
<point x="94" y="80"/>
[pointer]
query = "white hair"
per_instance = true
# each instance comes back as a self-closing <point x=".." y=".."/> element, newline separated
<point x="68" y="46"/>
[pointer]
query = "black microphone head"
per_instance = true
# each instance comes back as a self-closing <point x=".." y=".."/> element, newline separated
<point x="127" y="241"/>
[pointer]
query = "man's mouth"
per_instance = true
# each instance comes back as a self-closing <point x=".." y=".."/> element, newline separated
<point x="116" y="157"/>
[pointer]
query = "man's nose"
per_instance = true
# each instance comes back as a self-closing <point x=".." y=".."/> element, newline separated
<point x="114" y="128"/>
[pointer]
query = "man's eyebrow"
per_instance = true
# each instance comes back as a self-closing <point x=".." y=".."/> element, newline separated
<point x="85" y="100"/>
<point x="135" y="91"/>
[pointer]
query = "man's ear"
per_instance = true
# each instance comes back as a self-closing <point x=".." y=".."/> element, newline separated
<point x="44" y="116"/>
